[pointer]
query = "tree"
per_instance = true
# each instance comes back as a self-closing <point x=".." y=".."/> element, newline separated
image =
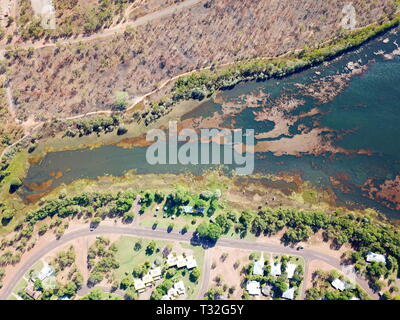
<point x="15" y="184"/>
<point x="151" y="247"/>
<point x="121" y="100"/>
<point x="211" y="231"/>
<point x="126" y="283"/>
<point x="121" y="131"/>
<point x="195" y="275"/>
<point x="95" y="277"/>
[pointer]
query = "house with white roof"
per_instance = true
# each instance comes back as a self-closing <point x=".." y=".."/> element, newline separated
<point x="148" y="280"/>
<point x="181" y="261"/>
<point x="355" y="298"/>
<point x="180" y="287"/>
<point x="171" y="260"/>
<point x="338" y="284"/>
<point x="46" y="272"/>
<point x="172" y="293"/>
<point x="276" y="269"/>
<point x="288" y="294"/>
<point x="187" y="209"/>
<point x="190" y="262"/>
<point x="258" y="268"/>
<point x="139" y="285"/>
<point x="376" y="257"/>
<point x="155" y="273"/>
<point x="290" y="268"/>
<point x="254" y="288"/>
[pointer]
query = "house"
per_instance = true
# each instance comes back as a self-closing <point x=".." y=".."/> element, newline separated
<point x="148" y="280"/>
<point x="180" y="287"/>
<point x="139" y="285"/>
<point x="172" y="293"/>
<point x="288" y="294"/>
<point x="190" y="262"/>
<point x="266" y="290"/>
<point x="290" y="268"/>
<point x="30" y="291"/>
<point x="171" y="260"/>
<point x="259" y="266"/>
<point x="46" y="272"/>
<point x="181" y="261"/>
<point x="155" y="273"/>
<point x="376" y="257"/>
<point x="253" y="287"/>
<point x="355" y="298"/>
<point x="187" y="209"/>
<point x="276" y="269"/>
<point x="338" y="284"/>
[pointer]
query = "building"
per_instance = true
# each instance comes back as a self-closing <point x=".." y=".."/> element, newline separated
<point x="338" y="284"/>
<point x="139" y="285"/>
<point x="30" y="291"/>
<point x="180" y="287"/>
<point x="253" y="287"/>
<point x="355" y="298"/>
<point x="258" y="268"/>
<point x="148" y="280"/>
<point x="288" y="294"/>
<point x="290" y="268"/>
<point x="171" y="293"/>
<point x="376" y="257"/>
<point x="46" y="272"/>
<point x="190" y="262"/>
<point x="181" y="261"/>
<point x="187" y="209"/>
<point x="276" y="269"/>
<point x="155" y="273"/>
<point x="171" y="260"/>
<point x="266" y="290"/>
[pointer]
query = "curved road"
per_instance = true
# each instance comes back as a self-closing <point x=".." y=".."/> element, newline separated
<point x="307" y="254"/>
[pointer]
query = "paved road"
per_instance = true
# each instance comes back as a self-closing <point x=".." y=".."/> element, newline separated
<point x="159" y="234"/>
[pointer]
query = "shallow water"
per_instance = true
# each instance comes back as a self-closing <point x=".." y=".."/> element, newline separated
<point x="360" y="124"/>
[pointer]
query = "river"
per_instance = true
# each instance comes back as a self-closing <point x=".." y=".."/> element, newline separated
<point x="335" y="126"/>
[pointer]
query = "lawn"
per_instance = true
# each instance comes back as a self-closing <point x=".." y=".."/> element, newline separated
<point x="128" y="257"/>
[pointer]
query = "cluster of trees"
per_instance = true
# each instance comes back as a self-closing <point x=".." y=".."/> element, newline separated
<point x="375" y="271"/>
<point x="98" y="294"/>
<point x="101" y="205"/>
<point x="64" y="259"/>
<point x="101" y="260"/>
<point x="69" y="289"/>
<point x="95" y="124"/>
<point x="322" y="288"/>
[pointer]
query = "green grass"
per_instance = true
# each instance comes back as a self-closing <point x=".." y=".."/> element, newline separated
<point x="128" y="257"/>
<point x="193" y="288"/>
<point x="20" y="286"/>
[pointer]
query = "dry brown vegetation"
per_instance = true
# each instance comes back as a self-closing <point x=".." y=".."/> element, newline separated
<point x="68" y="80"/>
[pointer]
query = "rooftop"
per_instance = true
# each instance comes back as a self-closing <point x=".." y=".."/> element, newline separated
<point x="290" y="270"/>
<point x="338" y="284"/>
<point x="259" y="266"/>
<point x="376" y="257"/>
<point x="253" y="287"/>
<point x="276" y="269"/>
<point x="288" y="294"/>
